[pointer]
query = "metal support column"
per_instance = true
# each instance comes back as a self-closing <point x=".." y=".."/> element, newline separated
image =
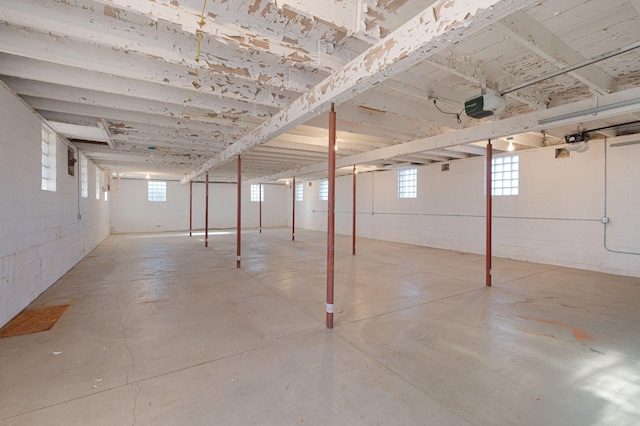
<point x="260" y="208"/>
<point x="489" y="216"/>
<point x="353" y="232"/>
<point x="331" y="215"/>
<point x="293" y="211"/>
<point x="238" y="229"/>
<point x="190" y="208"/>
<point x="206" y="211"/>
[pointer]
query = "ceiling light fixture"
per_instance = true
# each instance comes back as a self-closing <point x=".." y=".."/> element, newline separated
<point x="510" y="147"/>
<point x="148" y="177"/>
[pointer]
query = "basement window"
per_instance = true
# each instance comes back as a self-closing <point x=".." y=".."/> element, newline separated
<point x="299" y="191"/>
<point x="84" y="176"/>
<point x="408" y="183"/>
<point x="48" y="160"/>
<point x="157" y="191"/>
<point x="257" y="193"/>
<point x="324" y="190"/>
<point x="97" y="184"/>
<point x="71" y="161"/>
<point x="505" y="175"/>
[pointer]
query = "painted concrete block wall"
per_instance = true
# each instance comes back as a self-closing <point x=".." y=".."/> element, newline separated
<point x="132" y="212"/>
<point x="41" y="237"/>
<point x="555" y="219"/>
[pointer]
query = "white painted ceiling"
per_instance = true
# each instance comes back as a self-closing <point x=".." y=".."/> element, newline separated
<point x="172" y="89"/>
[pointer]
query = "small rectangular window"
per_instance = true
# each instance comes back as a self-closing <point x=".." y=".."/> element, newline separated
<point x="84" y="176"/>
<point x="257" y="193"/>
<point x="408" y="183"/>
<point x="71" y="161"/>
<point x="300" y="191"/>
<point x="48" y="160"/>
<point x="157" y="191"/>
<point x="106" y="195"/>
<point x="505" y="175"/>
<point x="324" y="190"/>
<point x="97" y="184"/>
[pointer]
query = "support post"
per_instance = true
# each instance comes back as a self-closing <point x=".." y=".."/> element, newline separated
<point x="206" y="211"/>
<point x="331" y="216"/>
<point x="190" y="208"/>
<point x="239" y="227"/>
<point x="353" y="232"/>
<point x="488" y="216"/>
<point x="293" y="211"/>
<point x="260" y="200"/>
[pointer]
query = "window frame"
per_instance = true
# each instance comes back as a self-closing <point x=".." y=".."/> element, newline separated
<point x="84" y="176"/>
<point x="256" y="192"/>
<point x="97" y="184"/>
<point x="408" y="182"/>
<point x="323" y="190"/>
<point x="498" y="176"/>
<point x="299" y="191"/>
<point x="48" y="166"/>
<point x="161" y="189"/>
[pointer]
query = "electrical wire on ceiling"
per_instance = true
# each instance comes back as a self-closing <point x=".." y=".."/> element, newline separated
<point x="456" y="114"/>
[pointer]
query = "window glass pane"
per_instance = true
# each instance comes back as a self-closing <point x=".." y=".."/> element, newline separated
<point x="97" y="184"/>
<point x="157" y="191"/>
<point x="324" y="190"/>
<point x="48" y="160"/>
<point x="84" y="176"/>
<point x="408" y="183"/>
<point x="299" y="191"/>
<point x="504" y="175"/>
<point x="257" y="193"/>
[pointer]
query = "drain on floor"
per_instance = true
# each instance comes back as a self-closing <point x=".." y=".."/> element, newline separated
<point x="33" y="321"/>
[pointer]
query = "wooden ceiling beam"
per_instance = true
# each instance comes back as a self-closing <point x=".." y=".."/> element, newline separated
<point x="442" y="24"/>
<point x="535" y="37"/>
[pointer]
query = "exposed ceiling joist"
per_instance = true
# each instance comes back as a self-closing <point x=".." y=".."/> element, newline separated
<point x="483" y="74"/>
<point x="49" y="72"/>
<point x="468" y="149"/>
<point x="61" y="20"/>
<point x="84" y="56"/>
<point x="411" y="109"/>
<point x="576" y="112"/>
<point x="224" y="116"/>
<point x="547" y="45"/>
<point x="229" y="25"/>
<point x="429" y="32"/>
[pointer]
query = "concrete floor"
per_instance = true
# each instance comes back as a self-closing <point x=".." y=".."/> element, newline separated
<point x="163" y="331"/>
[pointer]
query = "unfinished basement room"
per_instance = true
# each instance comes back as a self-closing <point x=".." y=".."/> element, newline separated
<point x="319" y="212"/>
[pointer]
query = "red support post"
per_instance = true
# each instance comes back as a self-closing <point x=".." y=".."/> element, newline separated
<point x="331" y="216"/>
<point x="353" y="232"/>
<point x="206" y="211"/>
<point x="238" y="229"/>
<point x="293" y="211"/>
<point x="239" y="226"/>
<point x="260" y="200"/>
<point x="190" y="208"/>
<point x="489" y="216"/>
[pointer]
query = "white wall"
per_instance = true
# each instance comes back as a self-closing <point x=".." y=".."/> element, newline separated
<point x="41" y="237"/>
<point x="554" y="220"/>
<point x="131" y="212"/>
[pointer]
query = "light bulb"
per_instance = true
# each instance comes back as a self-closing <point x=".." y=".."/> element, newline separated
<point x="148" y="177"/>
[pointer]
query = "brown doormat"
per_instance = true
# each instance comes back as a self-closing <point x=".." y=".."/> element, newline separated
<point x="33" y="321"/>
